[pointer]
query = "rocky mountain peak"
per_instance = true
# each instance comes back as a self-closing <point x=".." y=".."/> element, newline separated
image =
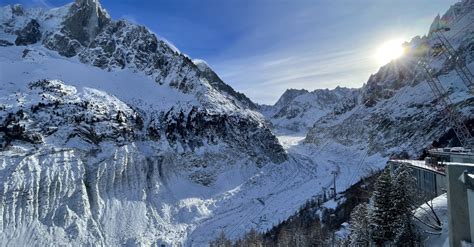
<point x="289" y="95"/>
<point x="87" y="2"/>
<point x="85" y="20"/>
<point x="454" y="14"/>
<point x="298" y="109"/>
<point x="30" y="34"/>
<point x="17" y="9"/>
<point x="435" y="25"/>
<point x="216" y="82"/>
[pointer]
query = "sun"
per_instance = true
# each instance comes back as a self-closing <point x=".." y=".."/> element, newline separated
<point x="389" y="50"/>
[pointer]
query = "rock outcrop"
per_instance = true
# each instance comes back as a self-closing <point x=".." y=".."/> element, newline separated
<point x="30" y="34"/>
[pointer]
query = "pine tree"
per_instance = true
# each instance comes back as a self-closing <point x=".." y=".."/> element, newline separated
<point x="284" y="236"/>
<point x="402" y="197"/>
<point x="221" y="241"/>
<point x="314" y="233"/>
<point x="253" y="239"/>
<point x="382" y="217"/>
<point x="239" y="243"/>
<point x="360" y="235"/>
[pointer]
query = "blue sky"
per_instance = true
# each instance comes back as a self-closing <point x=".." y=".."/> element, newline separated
<point x="262" y="47"/>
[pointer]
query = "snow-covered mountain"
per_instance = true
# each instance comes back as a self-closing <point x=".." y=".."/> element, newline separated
<point x="108" y="135"/>
<point x="397" y="113"/>
<point x="297" y="110"/>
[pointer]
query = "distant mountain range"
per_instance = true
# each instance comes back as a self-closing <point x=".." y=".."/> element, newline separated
<point x="298" y="110"/>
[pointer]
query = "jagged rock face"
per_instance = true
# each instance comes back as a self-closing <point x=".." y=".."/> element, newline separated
<point x="387" y="81"/>
<point x="288" y="96"/>
<point x="321" y="98"/>
<point x="297" y="110"/>
<point x="17" y="9"/>
<point x="117" y="197"/>
<point x="5" y="43"/>
<point x="196" y="127"/>
<point x="122" y="44"/>
<point x="85" y="20"/>
<point x="57" y="111"/>
<point x="40" y="202"/>
<point x="84" y="29"/>
<point x="63" y="44"/>
<point x="30" y="34"/>
<point x="398" y="127"/>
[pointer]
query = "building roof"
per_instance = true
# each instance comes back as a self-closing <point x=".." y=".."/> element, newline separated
<point x="422" y="164"/>
<point x="438" y="169"/>
<point x="459" y="164"/>
<point x="452" y="151"/>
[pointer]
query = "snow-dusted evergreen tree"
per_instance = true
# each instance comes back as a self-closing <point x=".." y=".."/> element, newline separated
<point x="402" y="198"/>
<point x="382" y="216"/>
<point x="285" y="237"/>
<point x="253" y="239"/>
<point x="314" y="234"/>
<point x="360" y="235"/>
<point x="221" y="241"/>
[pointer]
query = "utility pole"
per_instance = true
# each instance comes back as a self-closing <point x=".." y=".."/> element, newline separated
<point x="324" y="195"/>
<point x="334" y="173"/>
<point x="332" y="218"/>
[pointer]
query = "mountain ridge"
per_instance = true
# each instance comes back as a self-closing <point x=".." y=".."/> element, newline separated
<point x="297" y="109"/>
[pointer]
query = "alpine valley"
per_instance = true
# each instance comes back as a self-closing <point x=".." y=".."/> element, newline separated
<point x="110" y="135"/>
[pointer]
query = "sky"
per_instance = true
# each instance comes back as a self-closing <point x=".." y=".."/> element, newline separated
<point x="263" y="47"/>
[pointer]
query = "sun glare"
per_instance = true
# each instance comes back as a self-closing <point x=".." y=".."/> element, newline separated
<point x="389" y="51"/>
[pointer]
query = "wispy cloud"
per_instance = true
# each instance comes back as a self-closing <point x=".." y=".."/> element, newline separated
<point x="43" y="3"/>
<point x="265" y="79"/>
